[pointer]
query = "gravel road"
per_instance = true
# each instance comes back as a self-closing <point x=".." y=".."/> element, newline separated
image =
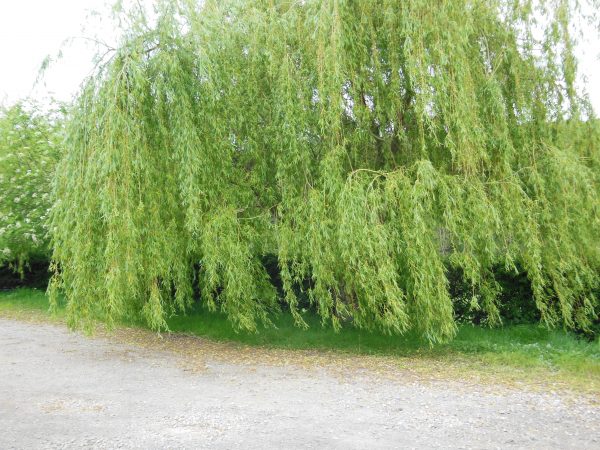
<point x="62" y="390"/>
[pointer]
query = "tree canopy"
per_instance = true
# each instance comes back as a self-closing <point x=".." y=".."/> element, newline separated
<point x="371" y="146"/>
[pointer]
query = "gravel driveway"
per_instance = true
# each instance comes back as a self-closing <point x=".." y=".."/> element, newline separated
<point x="62" y="390"/>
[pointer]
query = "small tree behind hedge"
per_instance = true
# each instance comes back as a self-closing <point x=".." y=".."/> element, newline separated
<point x="28" y="156"/>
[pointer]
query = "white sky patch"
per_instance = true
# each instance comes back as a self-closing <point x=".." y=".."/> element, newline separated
<point x="588" y="56"/>
<point x="30" y="30"/>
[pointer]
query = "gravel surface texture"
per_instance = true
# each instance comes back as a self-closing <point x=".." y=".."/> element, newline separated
<point x="62" y="390"/>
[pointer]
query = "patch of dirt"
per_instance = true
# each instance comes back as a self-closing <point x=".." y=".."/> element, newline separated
<point x="135" y="389"/>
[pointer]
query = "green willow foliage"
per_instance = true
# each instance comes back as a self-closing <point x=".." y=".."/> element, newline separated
<point x="370" y="145"/>
<point x="28" y="155"/>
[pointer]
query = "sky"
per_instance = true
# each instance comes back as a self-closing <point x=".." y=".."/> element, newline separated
<point x="31" y="30"/>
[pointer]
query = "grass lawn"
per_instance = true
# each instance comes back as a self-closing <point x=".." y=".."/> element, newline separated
<point x="524" y="353"/>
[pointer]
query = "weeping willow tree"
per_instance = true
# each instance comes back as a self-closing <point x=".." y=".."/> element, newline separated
<point x="372" y="146"/>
